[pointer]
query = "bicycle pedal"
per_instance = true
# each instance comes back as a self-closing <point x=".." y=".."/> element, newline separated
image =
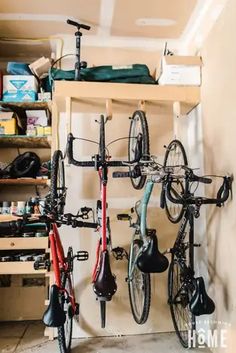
<point x="82" y="255"/>
<point x="123" y="217"/>
<point x="42" y="265"/>
<point x="119" y="253"/>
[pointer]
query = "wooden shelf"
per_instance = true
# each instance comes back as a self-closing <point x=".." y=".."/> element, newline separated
<point x="162" y="97"/>
<point x="19" y="243"/>
<point x="28" y="105"/>
<point x="25" y="141"/>
<point x="19" y="267"/>
<point x="25" y="181"/>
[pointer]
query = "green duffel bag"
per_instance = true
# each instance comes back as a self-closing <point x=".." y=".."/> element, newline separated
<point x="137" y="73"/>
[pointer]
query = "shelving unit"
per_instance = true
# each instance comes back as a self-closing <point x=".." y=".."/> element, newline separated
<point x="21" y="269"/>
<point x="115" y="97"/>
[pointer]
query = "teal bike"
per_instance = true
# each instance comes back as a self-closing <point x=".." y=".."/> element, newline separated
<point x="144" y="256"/>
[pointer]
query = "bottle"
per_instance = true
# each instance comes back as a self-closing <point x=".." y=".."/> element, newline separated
<point x="21" y="207"/>
<point x="6" y="207"/>
<point x="13" y="209"/>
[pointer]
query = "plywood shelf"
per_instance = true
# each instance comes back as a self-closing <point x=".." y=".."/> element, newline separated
<point x="28" y="105"/>
<point x="25" y="141"/>
<point x="93" y="93"/>
<point x="18" y="243"/>
<point x="19" y="267"/>
<point x="25" y="181"/>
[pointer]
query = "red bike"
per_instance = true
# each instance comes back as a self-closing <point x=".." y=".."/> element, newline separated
<point x="104" y="283"/>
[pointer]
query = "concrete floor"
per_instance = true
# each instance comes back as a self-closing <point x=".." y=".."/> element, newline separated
<point x="27" y="337"/>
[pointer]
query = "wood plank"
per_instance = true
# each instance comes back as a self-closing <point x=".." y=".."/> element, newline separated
<point x="18" y="267"/>
<point x="94" y="92"/>
<point x="13" y="243"/>
<point x="37" y="105"/>
<point x="26" y="141"/>
<point x="25" y="181"/>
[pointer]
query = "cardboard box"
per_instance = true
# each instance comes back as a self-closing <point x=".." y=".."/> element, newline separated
<point x="8" y="124"/>
<point x="180" y="70"/>
<point x="19" y="88"/>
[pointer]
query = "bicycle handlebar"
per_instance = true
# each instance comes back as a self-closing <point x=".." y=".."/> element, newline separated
<point x="222" y="194"/>
<point x="95" y="163"/>
<point x="78" y="25"/>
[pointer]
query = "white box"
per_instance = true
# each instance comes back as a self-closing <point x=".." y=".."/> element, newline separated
<point x="19" y="88"/>
<point x="180" y="70"/>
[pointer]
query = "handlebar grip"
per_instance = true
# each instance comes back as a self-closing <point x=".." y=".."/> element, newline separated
<point x="162" y="197"/>
<point x="78" y="25"/>
<point x="81" y="224"/>
<point x="203" y="180"/>
<point x="121" y="174"/>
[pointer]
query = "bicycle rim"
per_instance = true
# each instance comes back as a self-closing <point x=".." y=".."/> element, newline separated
<point x="179" y="296"/>
<point x="139" y="287"/>
<point x="65" y="331"/>
<point x="138" y="126"/>
<point x="175" y="157"/>
<point x="57" y="189"/>
<point x="103" y="313"/>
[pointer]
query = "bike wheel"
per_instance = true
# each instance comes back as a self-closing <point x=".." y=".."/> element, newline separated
<point x="179" y="294"/>
<point x="175" y="157"/>
<point x="139" y="286"/>
<point x="102" y="146"/>
<point x="103" y="313"/>
<point x="57" y="189"/>
<point x="65" y="331"/>
<point x="138" y="128"/>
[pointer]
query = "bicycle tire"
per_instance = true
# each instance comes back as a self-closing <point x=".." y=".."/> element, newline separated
<point x="175" y="211"/>
<point x="57" y="188"/>
<point x="102" y="146"/>
<point x="103" y="313"/>
<point x="65" y="331"/>
<point x="180" y="308"/>
<point x="138" y="116"/>
<point x="141" y="316"/>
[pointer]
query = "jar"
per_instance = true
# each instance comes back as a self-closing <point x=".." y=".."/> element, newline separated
<point x="6" y="207"/>
<point x="21" y="207"/>
<point x="13" y="209"/>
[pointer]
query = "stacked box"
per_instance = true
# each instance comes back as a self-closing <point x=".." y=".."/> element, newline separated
<point x="19" y="88"/>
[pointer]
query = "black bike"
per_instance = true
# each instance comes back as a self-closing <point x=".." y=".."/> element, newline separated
<point x="187" y="295"/>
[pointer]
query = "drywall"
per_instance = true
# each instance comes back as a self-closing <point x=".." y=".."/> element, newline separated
<point x="219" y="128"/>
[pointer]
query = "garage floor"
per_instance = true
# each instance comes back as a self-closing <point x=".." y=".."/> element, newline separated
<point x="28" y="337"/>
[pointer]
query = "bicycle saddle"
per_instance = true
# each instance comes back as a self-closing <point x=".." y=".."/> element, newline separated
<point x="54" y="316"/>
<point x="151" y="260"/>
<point x="201" y="303"/>
<point x="105" y="285"/>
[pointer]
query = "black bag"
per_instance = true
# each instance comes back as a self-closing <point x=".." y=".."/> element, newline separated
<point x="25" y="165"/>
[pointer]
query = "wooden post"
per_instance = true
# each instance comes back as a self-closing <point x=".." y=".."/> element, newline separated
<point x="176" y="115"/>
<point x="68" y="114"/>
<point x="109" y="109"/>
<point x="142" y="105"/>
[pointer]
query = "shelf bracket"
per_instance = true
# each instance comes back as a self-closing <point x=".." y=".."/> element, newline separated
<point x="176" y="115"/>
<point x="142" y="105"/>
<point x="109" y="109"/>
<point x="68" y="114"/>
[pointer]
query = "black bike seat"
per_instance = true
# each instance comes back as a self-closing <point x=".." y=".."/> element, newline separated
<point x="151" y="260"/>
<point x="54" y="316"/>
<point x="201" y="303"/>
<point x="105" y="284"/>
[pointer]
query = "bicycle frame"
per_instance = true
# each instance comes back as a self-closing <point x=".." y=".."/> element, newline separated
<point x="60" y="263"/>
<point x="188" y="219"/>
<point x="142" y="214"/>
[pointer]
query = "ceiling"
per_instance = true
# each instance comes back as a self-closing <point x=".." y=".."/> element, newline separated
<point x="114" y="23"/>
